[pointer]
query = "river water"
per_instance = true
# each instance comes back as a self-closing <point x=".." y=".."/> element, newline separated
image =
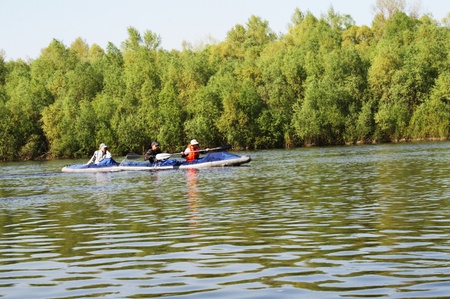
<point x="368" y="221"/>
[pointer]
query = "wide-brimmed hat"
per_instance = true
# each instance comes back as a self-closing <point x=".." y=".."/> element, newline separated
<point x="155" y="143"/>
<point x="102" y="145"/>
<point x="194" y="142"/>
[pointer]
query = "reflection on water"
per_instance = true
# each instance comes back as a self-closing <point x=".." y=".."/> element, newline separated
<point x="103" y="198"/>
<point x="352" y="222"/>
<point x="193" y="197"/>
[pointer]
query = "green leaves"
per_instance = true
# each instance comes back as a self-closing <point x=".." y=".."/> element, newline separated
<point x="326" y="81"/>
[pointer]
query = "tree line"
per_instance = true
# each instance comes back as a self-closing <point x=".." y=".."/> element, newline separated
<point x="325" y="81"/>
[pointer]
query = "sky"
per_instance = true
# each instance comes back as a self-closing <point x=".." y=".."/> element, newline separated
<point x="28" y="26"/>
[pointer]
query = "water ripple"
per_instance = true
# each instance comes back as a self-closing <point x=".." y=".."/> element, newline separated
<point x="354" y="222"/>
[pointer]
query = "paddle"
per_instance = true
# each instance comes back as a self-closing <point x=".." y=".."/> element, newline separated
<point x="165" y="156"/>
<point x="132" y="156"/>
<point x="159" y="157"/>
<point x="219" y="148"/>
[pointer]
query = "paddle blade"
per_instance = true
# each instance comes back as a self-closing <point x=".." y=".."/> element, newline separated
<point x="132" y="156"/>
<point x="163" y="156"/>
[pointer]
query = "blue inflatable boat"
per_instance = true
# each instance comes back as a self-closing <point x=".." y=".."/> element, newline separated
<point x="215" y="159"/>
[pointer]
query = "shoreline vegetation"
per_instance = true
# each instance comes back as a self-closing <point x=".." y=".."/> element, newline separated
<point x="324" y="82"/>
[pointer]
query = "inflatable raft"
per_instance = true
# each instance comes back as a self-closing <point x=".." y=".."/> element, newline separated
<point x="218" y="159"/>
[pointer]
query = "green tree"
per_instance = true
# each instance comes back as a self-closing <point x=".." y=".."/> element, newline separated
<point x="25" y="133"/>
<point x="408" y="62"/>
<point x="81" y="49"/>
<point x="283" y="79"/>
<point x="96" y="53"/>
<point x="432" y="118"/>
<point x="105" y="103"/>
<point x="69" y="122"/>
<point x="142" y="79"/>
<point x="204" y="114"/>
<point x="242" y="107"/>
<point x="326" y="81"/>
<point x="171" y="110"/>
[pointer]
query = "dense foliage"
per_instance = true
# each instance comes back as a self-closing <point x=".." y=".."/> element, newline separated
<point x="326" y="81"/>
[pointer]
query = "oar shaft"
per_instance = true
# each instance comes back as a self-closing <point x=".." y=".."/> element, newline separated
<point x="164" y="156"/>
<point x="224" y="147"/>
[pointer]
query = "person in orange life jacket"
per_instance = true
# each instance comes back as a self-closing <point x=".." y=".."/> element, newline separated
<point x="99" y="155"/>
<point x="193" y="151"/>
